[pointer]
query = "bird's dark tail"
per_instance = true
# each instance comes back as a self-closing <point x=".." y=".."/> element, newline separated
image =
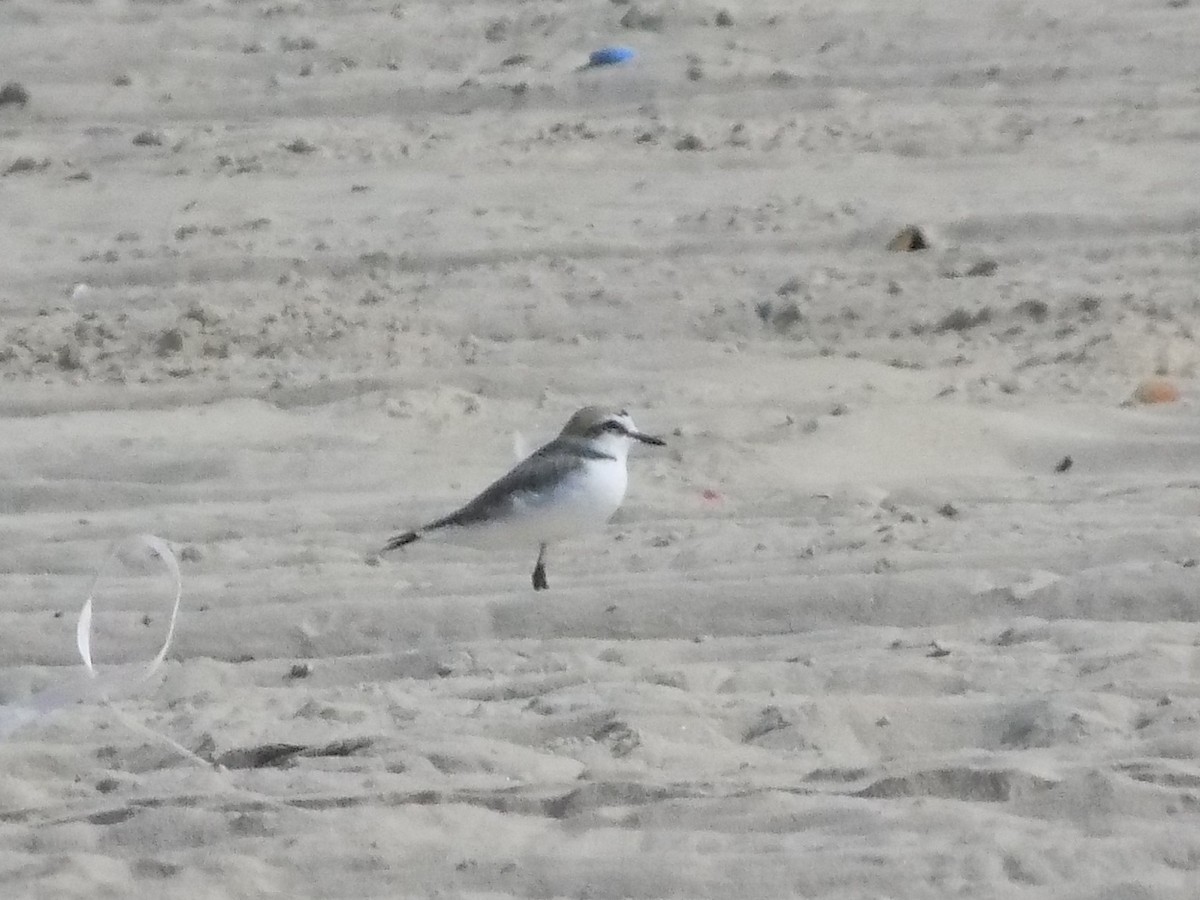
<point x="401" y="540"/>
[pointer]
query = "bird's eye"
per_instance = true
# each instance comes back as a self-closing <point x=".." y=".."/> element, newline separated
<point x="614" y="426"/>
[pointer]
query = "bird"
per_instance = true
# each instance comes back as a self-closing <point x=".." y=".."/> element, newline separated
<point x="570" y="486"/>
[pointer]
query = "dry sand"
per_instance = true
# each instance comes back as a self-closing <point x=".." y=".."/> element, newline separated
<point x="277" y="279"/>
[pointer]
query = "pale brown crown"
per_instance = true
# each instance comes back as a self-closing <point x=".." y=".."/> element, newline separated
<point x="588" y="421"/>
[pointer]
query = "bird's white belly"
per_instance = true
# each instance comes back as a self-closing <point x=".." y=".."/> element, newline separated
<point x="581" y="502"/>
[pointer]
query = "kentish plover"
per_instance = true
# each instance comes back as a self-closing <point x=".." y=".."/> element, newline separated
<point x="570" y="486"/>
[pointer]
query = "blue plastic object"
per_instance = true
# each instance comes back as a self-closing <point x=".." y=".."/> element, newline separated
<point x="610" y="56"/>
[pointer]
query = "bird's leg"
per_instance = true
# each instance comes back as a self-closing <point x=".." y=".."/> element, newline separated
<point x="539" y="571"/>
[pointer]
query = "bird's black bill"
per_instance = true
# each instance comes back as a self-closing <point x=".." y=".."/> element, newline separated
<point x="648" y="439"/>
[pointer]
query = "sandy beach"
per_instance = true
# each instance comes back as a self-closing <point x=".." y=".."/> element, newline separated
<point x="909" y="605"/>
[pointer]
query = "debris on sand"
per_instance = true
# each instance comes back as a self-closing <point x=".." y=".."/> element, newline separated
<point x="24" y="164"/>
<point x="770" y="719"/>
<point x="1156" y="390"/>
<point x="908" y="239"/>
<point x="614" y="55"/>
<point x="637" y="19"/>
<point x="300" y="145"/>
<point x="14" y="93"/>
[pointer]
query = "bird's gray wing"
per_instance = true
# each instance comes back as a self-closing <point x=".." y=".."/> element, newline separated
<point x="525" y="483"/>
